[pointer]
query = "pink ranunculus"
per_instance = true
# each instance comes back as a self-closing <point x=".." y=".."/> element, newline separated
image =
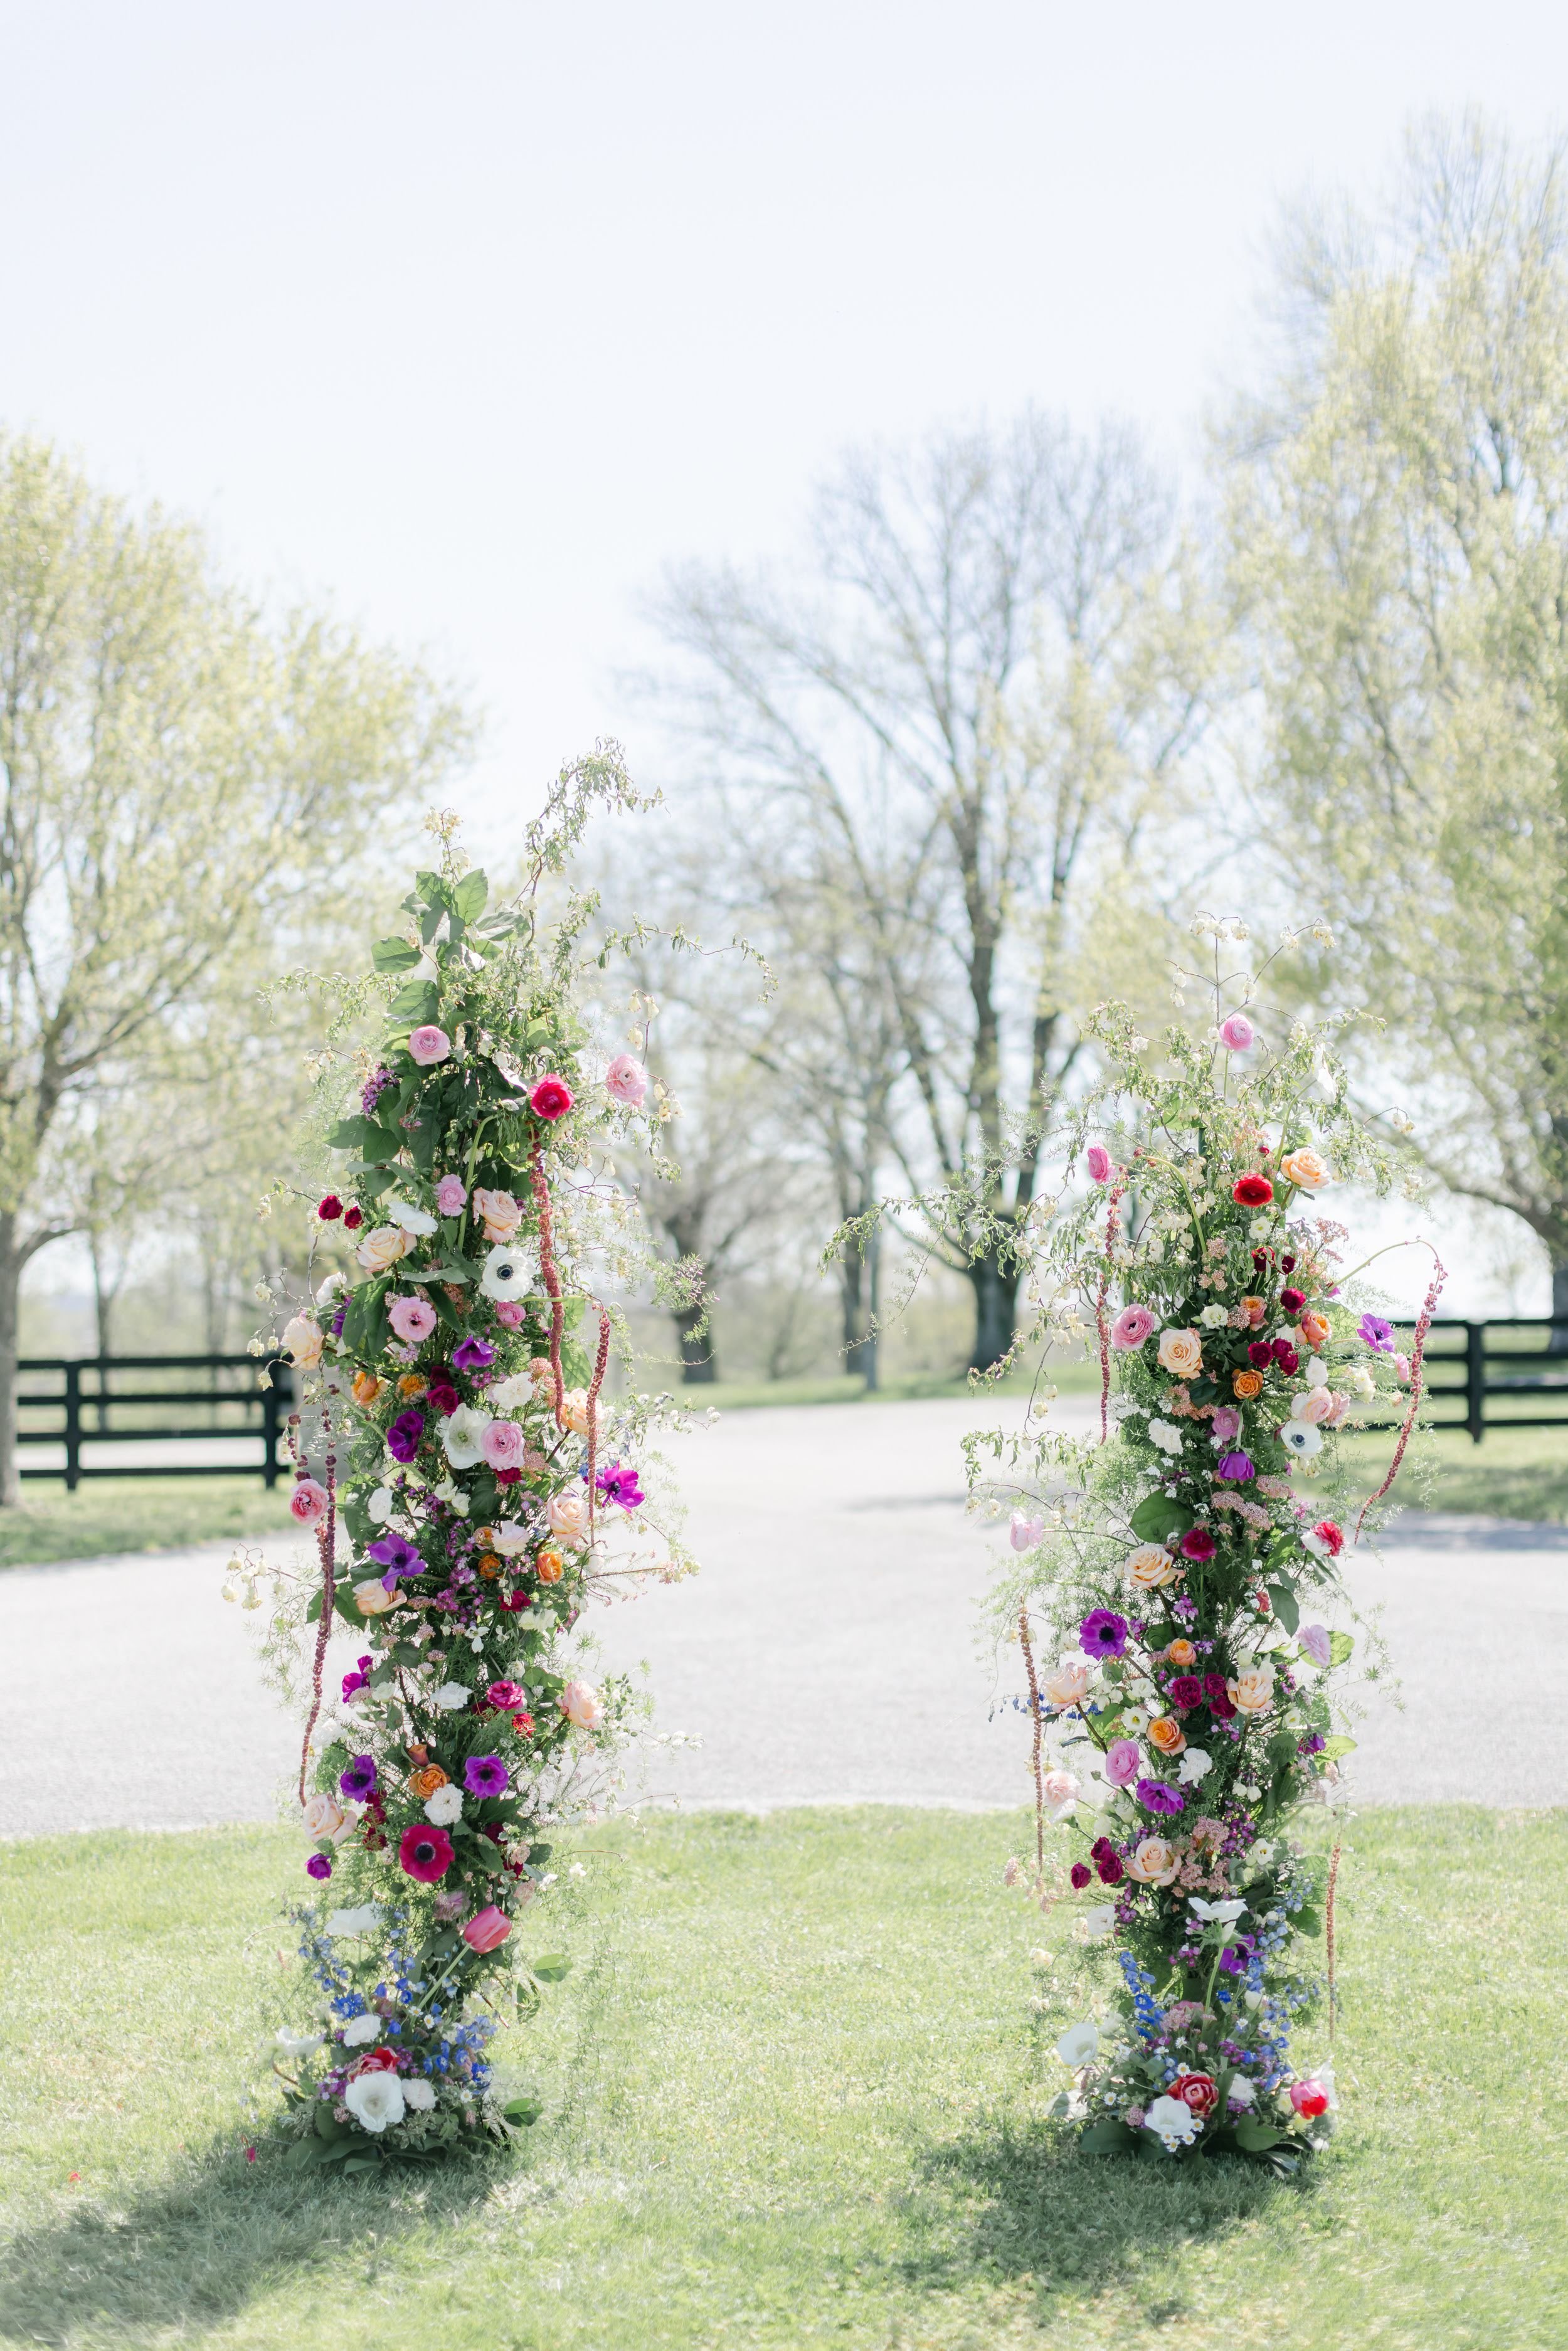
<point x="1225" y="1425"/>
<point x="412" y="1318"/>
<point x="502" y="1444"/>
<point x="308" y="1501"/>
<point x="1099" y="1163"/>
<point x="1123" y="1762"/>
<point x="429" y="1045"/>
<point x="626" y="1082"/>
<point x="1236" y="1032"/>
<point x="451" y="1196"/>
<point x="1131" y="1328"/>
<point x="487" y="1929"/>
<point x="509" y="1312"/>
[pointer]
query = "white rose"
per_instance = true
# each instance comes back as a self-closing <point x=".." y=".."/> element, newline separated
<point x="445" y="1806"/>
<point x="360" y="2030"/>
<point x="418" y="2095"/>
<point x="451" y="1696"/>
<point x="511" y="1394"/>
<point x="1078" y="2044"/>
<point x="463" y="1437"/>
<point x="375" y="2100"/>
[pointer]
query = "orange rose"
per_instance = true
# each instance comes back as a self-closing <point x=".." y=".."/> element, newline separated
<point x="424" y="1783"/>
<point x="1246" y="1384"/>
<point x="410" y="1385"/>
<point x="365" y="1388"/>
<point x="1182" y="1652"/>
<point x="1313" y="1328"/>
<point x="489" y="1566"/>
<point x="1166" y="1733"/>
<point x="550" y="1566"/>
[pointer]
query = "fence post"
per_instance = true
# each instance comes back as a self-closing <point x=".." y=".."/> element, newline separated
<point x="73" y="1427"/>
<point x="1475" y="1379"/>
<point x="269" y="1423"/>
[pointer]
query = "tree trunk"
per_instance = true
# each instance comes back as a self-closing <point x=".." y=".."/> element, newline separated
<point x="699" y="1364"/>
<point x="995" y="1292"/>
<point x="10" y="1323"/>
<point x="1557" y="1340"/>
<point x="857" y="1295"/>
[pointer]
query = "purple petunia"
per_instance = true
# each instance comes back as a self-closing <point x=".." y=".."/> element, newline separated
<point x="617" y="1483"/>
<point x="403" y="1435"/>
<point x="398" y="1556"/>
<point x="1374" y="1333"/>
<point x="484" y="1775"/>
<point x="360" y="1779"/>
<point x="473" y="1355"/>
<point x="1155" y="1797"/>
<point x="1104" y="1633"/>
<point x="1238" y="1467"/>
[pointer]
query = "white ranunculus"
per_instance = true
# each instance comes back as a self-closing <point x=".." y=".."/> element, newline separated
<point x="1195" y="1762"/>
<point x="1166" y="1436"/>
<point x="408" y="1218"/>
<point x="453" y="1695"/>
<point x="360" y="2030"/>
<point x="418" y="2095"/>
<point x="296" y="2045"/>
<point x="463" y="1436"/>
<point x="362" y="1921"/>
<point x="1215" y="1317"/>
<point x="1174" y="2120"/>
<point x="375" y="2100"/>
<point x="1079" y="2043"/>
<point x="512" y="1394"/>
<point x="445" y="1806"/>
<point x="509" y="1271"/>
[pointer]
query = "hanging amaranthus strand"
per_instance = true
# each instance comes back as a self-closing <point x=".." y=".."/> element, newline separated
<point x="1038" y="1736"/>
<point x="1100" y="1303"/>
<point x="595" y="1384"/>
<point x="1417" y="1359"/>
<point x="550" y="1277"/>
<point x="327" y="1547"/>
<point x="1328" y="1934"/>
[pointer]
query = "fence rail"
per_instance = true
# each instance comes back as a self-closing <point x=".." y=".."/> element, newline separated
<point x="1477" y="1374"/>
<point x="244" y="1397"/>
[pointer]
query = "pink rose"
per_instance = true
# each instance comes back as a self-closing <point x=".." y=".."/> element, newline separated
<point x="500" y="1213"/>
<point x="307" y="1501"/>
<point x="502" y="1444"/>
<point x="451" y="1197"/>
<point x="1236" y="1032"/>
<point x="429" y="1045"/>
<point x="626" y="1080"/>
<point x="1226" y="1424"/>
<point x="508" y="1312"/>
<point x="1099" y="1163"/>
<point x="412" y="1318"/>
<point x="1123" y="1762"/>
<point x="1131" y="1328"/>
<point x="487" y="1929"/>
<point x="1061" y="1787"/>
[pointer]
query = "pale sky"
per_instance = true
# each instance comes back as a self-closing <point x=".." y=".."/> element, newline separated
<point x="473" y="316"/>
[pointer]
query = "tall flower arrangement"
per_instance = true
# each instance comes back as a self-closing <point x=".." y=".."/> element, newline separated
<point x="468" y="1491"/>
<point x="1184" y="1577"/>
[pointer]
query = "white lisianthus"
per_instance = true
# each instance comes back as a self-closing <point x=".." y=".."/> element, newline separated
<point x="360" y="2030"/>
<point x="453" y="1695"/>
<point x="1097" y="1923"/>
<point x="1195" y="1764"/>
<point x="445" y="1806"/>
<point x="1166" y="1436"/>
<point x="1215" y="1914"/>
<point x="1317" y="1372"/>
<point x="375" y="2100"/>
<point x="463" y="1437"/>
<point x="1175" y="2122"/>
<point x="296" y="2045"/>
<point x="452" y="1494"/>
<point x="1079" y="2043"/>
<point x="1215" y="1317"/>
<point x="418" y="2095"/>
<point x="410" y="1219"/>
<point x="363" y="1921"/>
<point x="513" y="1394"/>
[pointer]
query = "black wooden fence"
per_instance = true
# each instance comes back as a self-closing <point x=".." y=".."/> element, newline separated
<point x="86" y="1401"/>
<point x="1509" y="1372"/>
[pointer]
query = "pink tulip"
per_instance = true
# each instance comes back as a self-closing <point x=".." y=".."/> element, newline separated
<point x="487" y="1929"/>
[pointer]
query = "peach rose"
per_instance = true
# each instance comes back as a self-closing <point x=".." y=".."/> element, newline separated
<point x="566" y="1515"/>
<point x="500" y="1212"/>
<point x="412" y="1385"/>
<point x="1068" y="1683"/>
<point x="1304" y="1169"/>
<point x="581" y="1703"/>
<point x="1181" y="1352"/>
<point x="1255" y="1310"/>
<point x="1166" y="1734"/>
<point x="304" y="1340"/>
<point x="1314" y="1329"/>
<point x="324" y="1816"/>
<point x="381" y="1249"/>
<point x="574" y="1410"/>
<point x="364" y="1389"/>
<point x="1182" y="1652"/>
<point x="1247" y="1384"/>
<point x="1153" y="1863"/>
<point x="374" y="1599"/>
<point x="549" y="1567"/>
<point x="1317" y="1404"/>
<point x="1151" y="1567"/>
<point x="424" y="1783"/>
<point x="1253" y="1691"/>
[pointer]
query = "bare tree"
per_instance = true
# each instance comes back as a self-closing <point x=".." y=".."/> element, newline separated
<point x="944" y="733"/>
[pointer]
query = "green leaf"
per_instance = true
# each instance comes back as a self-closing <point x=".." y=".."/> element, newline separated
<point x="1255" y="2135"/>
<point x="1339" y="1647"/>
<point x="1308" y="1923"/>
<point x="1107" y="2137"/>
<point x="327" y="2127"/>
<point x="521" y="2112"/>
<point x="1204" y="1391"/>
<point x="1283" y="1600"/>
<point x="1333" y="1748"/>
<point x="553" y="1968"/>
<point x="434" y="891"/>
<point x="364" y="1318"/>
<point x="353" y="1134"/>
<point x="415" y="1004"/>
<point x="1158" y="1516"/>
<point x="363" y="2163"/>
<point x="394" y="954"/>
<point x="468" y="895"/>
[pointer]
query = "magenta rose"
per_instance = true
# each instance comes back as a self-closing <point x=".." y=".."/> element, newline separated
<point x="551" y="1099"/>
<point x="1131" y="1328"/>
<point x="429" y="1045"/>
<point x="1123" y="1762"/>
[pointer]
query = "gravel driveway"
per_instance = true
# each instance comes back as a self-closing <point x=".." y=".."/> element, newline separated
<point x="827" y="1652"/>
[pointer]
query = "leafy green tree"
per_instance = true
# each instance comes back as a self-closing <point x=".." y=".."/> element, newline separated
<point x="186" y="788"/>
<point x="1399" y="544"/>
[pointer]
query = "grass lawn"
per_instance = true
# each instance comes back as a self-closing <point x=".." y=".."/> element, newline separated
<point x="114" y="1514"/>
<point x="795" y="2097"/>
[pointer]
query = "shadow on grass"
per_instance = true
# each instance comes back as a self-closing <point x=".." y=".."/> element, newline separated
<point x="194" y="2251"/>
<point x="1019" y="2202"/>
